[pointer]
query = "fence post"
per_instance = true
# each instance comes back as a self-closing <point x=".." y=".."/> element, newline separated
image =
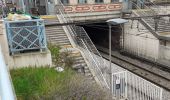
<point x="126" y="84"/>
<point x="161" y="93"/>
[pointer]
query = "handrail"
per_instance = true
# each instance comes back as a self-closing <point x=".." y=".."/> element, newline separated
<point x="6" y="87"/>
<point x="85" y="43"/>
<point x="97" y="66"/>
<point x="145" y="6"/>
<point x="155" y="6"/>
<point x="141" y="10"/>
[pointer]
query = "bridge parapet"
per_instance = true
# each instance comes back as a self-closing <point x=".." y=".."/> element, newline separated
<point x="93" y="8"/>
<point x="84" y="12"/>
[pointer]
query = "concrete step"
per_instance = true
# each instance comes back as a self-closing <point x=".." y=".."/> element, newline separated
<point x="60" y="41"/>
<point x="67" y="46"/>
<point x="58" y="37"/>
<point x="166" y="30"/>
<point x="54" y="27"/>
<point x="54" y="30"/>
<point x="79" y="58"/>
<point x="79" y="65"/>
<point x="55" y="34"/>
<point x="59" y="44"/>
<point x="79" y="61"/>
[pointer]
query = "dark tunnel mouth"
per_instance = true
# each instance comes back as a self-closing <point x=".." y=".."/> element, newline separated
<point x="99" y="34"/>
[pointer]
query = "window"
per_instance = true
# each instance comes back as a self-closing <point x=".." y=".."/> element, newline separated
<point x="82" y="1"/>
<point x="114" y="0"/>
<point x="65" y="1"/>
<point x="98" y="1"/>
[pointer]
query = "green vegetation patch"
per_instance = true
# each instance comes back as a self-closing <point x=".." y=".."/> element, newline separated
<point x="35" y="83"/>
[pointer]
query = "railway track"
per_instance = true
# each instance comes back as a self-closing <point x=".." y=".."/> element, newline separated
<point x="146" y="71"/>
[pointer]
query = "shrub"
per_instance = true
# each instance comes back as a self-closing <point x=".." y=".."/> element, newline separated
<point x="55" y="52"/>
<point x="67" y="59"/>
<point x="63" y="59"/>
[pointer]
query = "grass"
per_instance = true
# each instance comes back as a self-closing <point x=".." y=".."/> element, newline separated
<point x="38" y="83"/>
<point x="47" y="84"/>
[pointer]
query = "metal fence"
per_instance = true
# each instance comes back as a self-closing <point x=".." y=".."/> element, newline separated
<point x="132" y="87"/>
<point x="26" y="35"/>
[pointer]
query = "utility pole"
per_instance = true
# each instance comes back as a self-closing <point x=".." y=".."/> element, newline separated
<point x="110" y="51"/>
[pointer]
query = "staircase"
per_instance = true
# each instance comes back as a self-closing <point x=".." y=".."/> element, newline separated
<point x="159" y="27"/>
<point x="57" y="36"/>
<point x="82" y="41"/>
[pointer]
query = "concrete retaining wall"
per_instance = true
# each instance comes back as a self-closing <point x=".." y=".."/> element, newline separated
<point x="140" y="41"/>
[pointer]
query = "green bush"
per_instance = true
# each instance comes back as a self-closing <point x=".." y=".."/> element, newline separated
<point x="63" y="59"/>
<point x="55" y="52"/>
<point x="67" y="59"/>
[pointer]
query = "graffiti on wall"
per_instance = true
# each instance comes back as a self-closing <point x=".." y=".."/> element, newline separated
<point x="92" y="8"/>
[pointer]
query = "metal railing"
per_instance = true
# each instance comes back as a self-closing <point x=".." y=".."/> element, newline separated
<point x="83" y="42"/>
<point x="147" y="12"/>
<point x="26" y="35"/>
<point x="154" y="7"/>
<point x="157" y="25"/>
<point x="130" y="86"/>
<point x="6" y="87"/>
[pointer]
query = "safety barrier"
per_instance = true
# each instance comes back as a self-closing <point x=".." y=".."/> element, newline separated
<point x="26" y="35"/>
<point x="132" y="87"/>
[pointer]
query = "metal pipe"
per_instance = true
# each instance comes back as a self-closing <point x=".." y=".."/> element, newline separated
<point x="6" y="89"/>
<point x="110" y="50"/>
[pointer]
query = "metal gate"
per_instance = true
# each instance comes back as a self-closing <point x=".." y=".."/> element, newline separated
<point x="127" y="85"/>
<point x="119" y="88"/>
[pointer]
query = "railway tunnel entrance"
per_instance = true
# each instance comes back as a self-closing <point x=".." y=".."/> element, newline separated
<point x="99" y="34"/>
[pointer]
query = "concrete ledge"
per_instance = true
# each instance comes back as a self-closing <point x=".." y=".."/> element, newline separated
<point x="38" y="59"/>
